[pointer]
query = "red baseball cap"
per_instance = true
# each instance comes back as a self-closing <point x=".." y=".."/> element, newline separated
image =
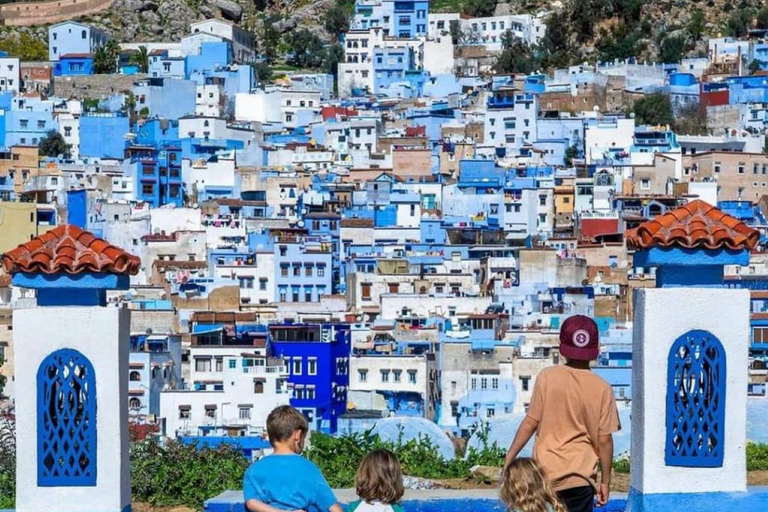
<point x="579" y="338"/>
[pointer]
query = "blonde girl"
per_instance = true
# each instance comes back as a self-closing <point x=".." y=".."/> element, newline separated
<point x="525" y="488"/>
<point x="379" y="483"/>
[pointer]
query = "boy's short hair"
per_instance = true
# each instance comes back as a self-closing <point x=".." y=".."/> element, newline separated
<point x="283" y="421"/>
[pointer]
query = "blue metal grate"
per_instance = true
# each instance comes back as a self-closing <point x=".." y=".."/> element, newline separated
<point x="66" y="425"/>
<point x="695" y="401"/>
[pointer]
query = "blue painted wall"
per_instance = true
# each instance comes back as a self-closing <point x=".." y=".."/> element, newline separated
<point x="168" y="98"/>
<point x="76" y="208"/>
<point x="27" y="127"/>
<point x="103" y="136"/>
<point x="332" y="356"/>
<point x="71" y="65"/>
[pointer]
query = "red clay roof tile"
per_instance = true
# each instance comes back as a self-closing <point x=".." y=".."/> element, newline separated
<point x="70" y="250"/>
<point x="695" y="225"/>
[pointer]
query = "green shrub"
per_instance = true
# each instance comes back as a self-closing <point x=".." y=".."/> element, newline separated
<point x="757" y="457"/>
<point x="7" y="463"/>
<point x="621" y="465"/>
<point x="179" y="474"/>
<point x="339" y="457"/>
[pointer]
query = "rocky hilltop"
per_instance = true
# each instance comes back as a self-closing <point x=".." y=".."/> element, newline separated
<point x="588" y="29"/>
<point x="168" y="20"/>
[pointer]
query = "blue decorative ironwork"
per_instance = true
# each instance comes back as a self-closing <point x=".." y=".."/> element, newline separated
<point x="66" y="425"/>
<point x="696" y="401"/>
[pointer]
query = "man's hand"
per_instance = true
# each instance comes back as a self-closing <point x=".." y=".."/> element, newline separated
<point x="603" y="494"/>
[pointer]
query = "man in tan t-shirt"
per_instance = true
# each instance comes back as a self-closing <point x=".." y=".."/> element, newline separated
<point x="573" y="413"/>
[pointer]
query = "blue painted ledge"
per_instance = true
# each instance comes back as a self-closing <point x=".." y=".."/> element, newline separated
<point x="754" y="500"/>
<point x="432" y="501"/>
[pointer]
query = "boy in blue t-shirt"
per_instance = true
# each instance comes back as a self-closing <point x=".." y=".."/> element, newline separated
<point x="285" y="480"/>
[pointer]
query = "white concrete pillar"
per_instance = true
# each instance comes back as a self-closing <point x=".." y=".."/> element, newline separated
<point x="95" y="387"/>
<point x="682" y="317"/>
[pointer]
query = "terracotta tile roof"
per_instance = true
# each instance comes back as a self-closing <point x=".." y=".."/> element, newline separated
<point x="695" y="225"/>
<point x="70" y="250"/>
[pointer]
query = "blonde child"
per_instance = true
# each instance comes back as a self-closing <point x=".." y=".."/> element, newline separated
<point x="379" y="483"/>
<point x="525" y="488"/>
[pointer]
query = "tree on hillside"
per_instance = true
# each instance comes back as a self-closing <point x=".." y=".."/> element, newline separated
<point x="336" y="21"/>
<point x="697" y="24"/>
<point x="571" y="152"/>
<point x="270" y="42"/>
<point x="25" y="47"/>
<point x="457" y="34"/>
<point x="140" y="59"/>
<point x="672" y="50"/>
<point x="480" y="8"/>
<point x="653" y="109"/>
<point x="306" y="50"/>
<point x="761" y="20"/>
<point x="556" y="44"/>
<point x="263" y="72"/>
<point x="516" y="56"/>
<point x="53" y="145"/>
<point x="333" y="55"/>
<point x="691" y="120"/>
<point x="105" y="58"/>
<point x="738" y="23"/>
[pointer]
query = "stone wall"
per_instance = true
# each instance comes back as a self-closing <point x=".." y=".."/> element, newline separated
<point x="93" y="86"/>
<point x="45" y="13"/>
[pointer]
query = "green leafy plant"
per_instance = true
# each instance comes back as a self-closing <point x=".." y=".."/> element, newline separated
<point x="654" y="109"/>
<point x="53" y="145"/>
<point x="621" y="466"/>
<point x="7" y="463"/>
<point x="25" y="47"/>
<point x="336" y="21"/>
<point x="140" y="59"/>
<point x="339" y="457"/>
<point x="757" y="457"/>
<point x="178" y="474"/>
<point x="105" y="58"/>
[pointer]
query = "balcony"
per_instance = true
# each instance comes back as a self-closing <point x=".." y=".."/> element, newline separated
<point x="264" y="370"/>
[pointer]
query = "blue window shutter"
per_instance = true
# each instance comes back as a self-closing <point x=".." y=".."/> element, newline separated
<point x="695" y="416"/>
<point x="66" y="424"/>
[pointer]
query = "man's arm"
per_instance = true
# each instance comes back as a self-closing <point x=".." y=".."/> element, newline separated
<point x="605" y="452"/>
<point x="524" y="432"/>
<point x="336" y="508"/>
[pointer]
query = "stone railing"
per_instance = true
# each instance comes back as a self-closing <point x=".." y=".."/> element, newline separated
<point x="45" y="13"/>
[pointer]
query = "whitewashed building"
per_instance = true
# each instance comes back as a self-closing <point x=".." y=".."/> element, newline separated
<point x="233" y="391"/>
<point x="243" y="43"/>
<point x="9" y="73"/>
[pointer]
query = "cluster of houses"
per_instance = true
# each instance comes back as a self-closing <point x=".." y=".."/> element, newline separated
<point x="404" y="239"/>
